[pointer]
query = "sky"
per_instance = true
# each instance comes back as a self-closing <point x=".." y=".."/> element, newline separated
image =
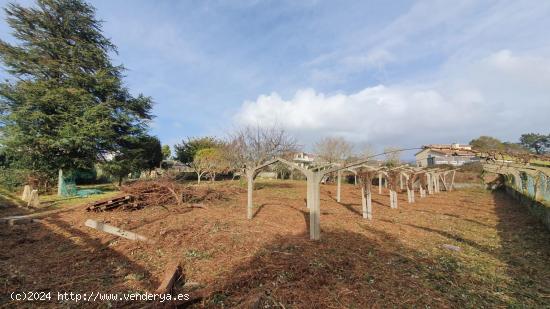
<point x="379" y="73"/>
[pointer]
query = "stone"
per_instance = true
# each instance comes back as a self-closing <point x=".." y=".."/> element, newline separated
<point x="34" y="201"/>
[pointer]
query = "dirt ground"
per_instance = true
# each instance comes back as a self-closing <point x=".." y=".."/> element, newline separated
<point x="398" y="259"/>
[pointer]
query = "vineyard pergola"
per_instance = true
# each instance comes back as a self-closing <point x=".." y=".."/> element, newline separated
<point x="532" y="180"/>
<point x="394" y="177"/>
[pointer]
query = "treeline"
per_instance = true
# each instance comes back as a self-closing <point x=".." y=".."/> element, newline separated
<point x="529" y="142"/>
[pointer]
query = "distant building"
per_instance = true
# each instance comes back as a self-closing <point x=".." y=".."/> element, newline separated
<point x="303" y="159"/>
<point x="451" y="154"/>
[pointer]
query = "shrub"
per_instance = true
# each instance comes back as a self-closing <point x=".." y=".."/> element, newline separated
<point x="12" y="179"/>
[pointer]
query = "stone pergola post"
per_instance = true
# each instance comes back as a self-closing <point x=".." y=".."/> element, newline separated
<point x="379" y="183"/>
<point x="430" y="183"/>
<point x="314" y="181"/>
<point x="26" y="193"/>
<point x="250" y="187"/>
<point x="451" y="186"/>
<point x="34" y="201"/>
<point x="59" y="182"/>
<point x="339" y="185"/>
<point x="393" y="199"/>
<point x="410" y="187"/>
<point x="538" y="186"/>
<point x="366" y="201"/>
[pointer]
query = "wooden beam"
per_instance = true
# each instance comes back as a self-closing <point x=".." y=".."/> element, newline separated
<point x="100" y="226"/>
<point x="172" y="275"/>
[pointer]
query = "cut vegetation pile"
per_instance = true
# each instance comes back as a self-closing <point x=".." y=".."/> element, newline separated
<point x="162" y="192"/>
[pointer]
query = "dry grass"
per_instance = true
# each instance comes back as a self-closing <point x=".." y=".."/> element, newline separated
<point x="395" y="260"/>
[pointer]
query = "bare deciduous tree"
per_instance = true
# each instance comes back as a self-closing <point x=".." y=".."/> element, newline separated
<point x="393" y="156"/>
<point x="251" y="146"/>
<point x="368" y="151"/>
<point x="333" y="149"/>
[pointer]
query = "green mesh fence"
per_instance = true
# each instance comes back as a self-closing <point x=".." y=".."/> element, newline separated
<point x="69" y="188"/>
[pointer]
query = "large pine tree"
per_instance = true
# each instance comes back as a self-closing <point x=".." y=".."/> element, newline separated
<point x="65" y="105"/>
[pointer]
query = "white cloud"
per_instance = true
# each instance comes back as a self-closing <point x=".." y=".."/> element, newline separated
<point x="502" y="95"/>
<point x="374" y="58"/>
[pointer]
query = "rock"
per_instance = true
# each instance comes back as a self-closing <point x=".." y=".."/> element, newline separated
<point x="451" y="247"/>
<point x="34" y="201"/>
<point x="26" y="193"/>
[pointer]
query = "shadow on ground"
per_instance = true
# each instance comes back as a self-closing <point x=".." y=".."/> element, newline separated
<point x="56" y="257"/>
<point x="525" y="250"/>
<point x="344" y="269"/>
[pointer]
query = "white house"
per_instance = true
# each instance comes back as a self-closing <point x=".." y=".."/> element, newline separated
<point x="303" y="159"/>
<point x="452" y="154"/>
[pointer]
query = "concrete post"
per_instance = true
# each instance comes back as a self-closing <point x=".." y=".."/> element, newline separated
<point x="379" y="183"/>
<point x="250" y="186"/>
<point x="429" y="181"/>
<point x="517" y="180"/>
<point x="59" y="182"/>
<point x="393" y="199"/>
<point x="315" y="211"/>
<point x="309" y="183"/>
<point x="339" y="186"/>
<point x="369" y="204"/>
<point x="538" y="187"/>
<point x="363" y="201"/>
<point x="33" y="200"/>
<point x="366" y="203"/>
<point x="451" y="186"/>
<point x="26" y="193"/>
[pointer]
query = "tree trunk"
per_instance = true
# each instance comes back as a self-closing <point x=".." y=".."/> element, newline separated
<point x="199" y="178"/>
<point x="120" y="181"/>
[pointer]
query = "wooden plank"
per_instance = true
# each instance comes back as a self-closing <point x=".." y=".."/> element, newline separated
<point x="100" y="226"/>
<point x="15" y="220"/>
<point x="172" y="275"/>
<point x="110" y="204"/>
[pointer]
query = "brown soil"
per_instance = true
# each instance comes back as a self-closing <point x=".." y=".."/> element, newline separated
<point x="394" y="260"/>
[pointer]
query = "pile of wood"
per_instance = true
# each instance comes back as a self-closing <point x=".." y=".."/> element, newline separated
<point x="163" y="192"/>
<point x="158" y="192"/>
<point x="125" y="201"/>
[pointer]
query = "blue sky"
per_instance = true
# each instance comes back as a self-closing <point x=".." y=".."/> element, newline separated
<point x="386" y="73"/>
